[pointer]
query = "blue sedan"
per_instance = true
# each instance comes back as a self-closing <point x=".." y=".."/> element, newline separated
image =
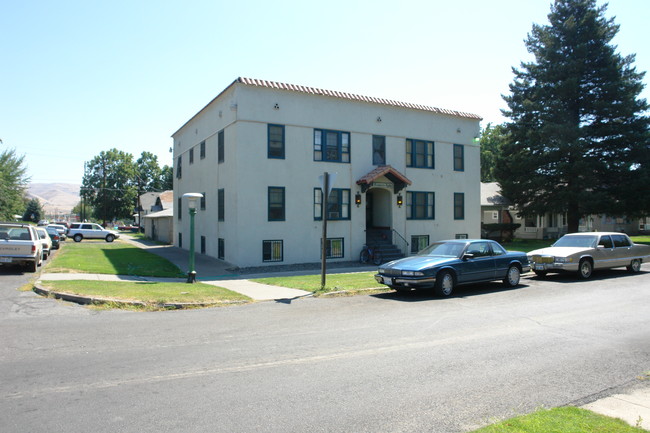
<point x="446" y="264"/>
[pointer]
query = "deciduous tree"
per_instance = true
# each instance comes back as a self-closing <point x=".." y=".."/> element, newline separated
<point x="108" y="185"/>
<point x="13" y="183"/>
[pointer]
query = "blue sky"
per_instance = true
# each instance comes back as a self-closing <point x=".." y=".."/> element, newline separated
<point x="79" y="77"/>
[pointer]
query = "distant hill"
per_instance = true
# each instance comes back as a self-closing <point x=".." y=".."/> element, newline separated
<point x="56" y="198"/>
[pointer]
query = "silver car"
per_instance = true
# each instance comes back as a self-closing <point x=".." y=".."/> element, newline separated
<point x="584" y="252"/>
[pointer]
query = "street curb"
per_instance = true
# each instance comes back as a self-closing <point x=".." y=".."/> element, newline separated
<point x="90" y="300"/>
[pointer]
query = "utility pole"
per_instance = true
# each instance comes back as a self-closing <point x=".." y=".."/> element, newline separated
<point x="324" y="240"/>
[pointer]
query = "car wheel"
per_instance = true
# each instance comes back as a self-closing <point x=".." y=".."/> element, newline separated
<point x="32" y="266"/>
<point x="512" y="277"/>
<point x="541" y="274"/>
<point x="444" y="284"/>
<point x="585" y="268"/>
<point x="635" y="266"/>
<point x="77" y="238"/>
<point x="110" y="238"/>
<point x="45" y="255"/>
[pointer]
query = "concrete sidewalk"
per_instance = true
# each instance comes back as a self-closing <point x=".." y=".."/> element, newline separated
<point x="633" y="407"/>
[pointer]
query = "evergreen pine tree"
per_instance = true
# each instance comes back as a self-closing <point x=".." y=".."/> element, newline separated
<point x="578" y="136"/>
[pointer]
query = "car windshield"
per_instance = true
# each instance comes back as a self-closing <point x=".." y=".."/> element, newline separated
<point x="445" y="249"/>
<point x="584" y="241"/>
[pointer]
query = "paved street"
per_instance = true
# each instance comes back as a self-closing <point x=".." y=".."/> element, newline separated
<point x="385" y="363"/>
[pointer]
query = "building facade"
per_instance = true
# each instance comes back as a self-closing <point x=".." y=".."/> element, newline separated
<point x="256" y="152"/>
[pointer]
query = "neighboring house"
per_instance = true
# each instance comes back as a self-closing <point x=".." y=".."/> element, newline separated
<point x="497" y="209"/>
<point x="159" y="226"/>
<point x="405" y="174"/>
<point x="606" y="223"/>
<point x="155" y="202"/>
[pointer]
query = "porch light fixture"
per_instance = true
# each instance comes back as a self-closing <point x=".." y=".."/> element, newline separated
<point x="400" y="201"/>
<point x="357" y="199"/>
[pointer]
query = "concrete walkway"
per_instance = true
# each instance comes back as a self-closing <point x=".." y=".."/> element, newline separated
<point x="633" y="408"/>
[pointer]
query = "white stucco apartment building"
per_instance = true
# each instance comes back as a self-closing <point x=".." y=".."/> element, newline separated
<point x="256" y="152"/>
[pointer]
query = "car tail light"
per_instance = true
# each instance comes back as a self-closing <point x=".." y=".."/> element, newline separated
<point x="33" y="248"/>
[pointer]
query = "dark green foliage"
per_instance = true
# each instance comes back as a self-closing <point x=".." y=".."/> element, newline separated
<point x="578" y="138"/>
<point x="108" y="185"/>
<point x="113" y="181"/>
<point x="491" y="141"/>
<point x="34" y="211"/>
<point x="13" y="183"/>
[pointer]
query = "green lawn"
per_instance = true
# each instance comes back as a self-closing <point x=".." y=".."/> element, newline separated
<point x="351" y="283"/>
<point x="526" y="245"/>
<point x="561" y="420"/>
<point x="118" y="258"/>
<point x="641" y="239"/>
<point x="148" y="292"/>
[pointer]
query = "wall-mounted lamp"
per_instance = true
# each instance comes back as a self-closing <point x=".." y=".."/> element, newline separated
<point x="458" y="130"/>
<point x="357" y="199"/>
<point x="276" y="106"/>
<point x="400" y="201"/>
<point x="378" y="119"/>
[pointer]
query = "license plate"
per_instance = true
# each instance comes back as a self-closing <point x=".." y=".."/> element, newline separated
<point x="539" y="267"/>
<point x="388" y="280"/>
<point x="5" y="259"/>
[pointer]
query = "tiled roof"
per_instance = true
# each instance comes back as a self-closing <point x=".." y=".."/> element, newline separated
<point x="351" y="97"/>
<point x="384" y="170"/>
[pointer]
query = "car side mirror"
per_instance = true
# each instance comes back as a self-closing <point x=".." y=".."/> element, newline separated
<point x="468" y="256"/>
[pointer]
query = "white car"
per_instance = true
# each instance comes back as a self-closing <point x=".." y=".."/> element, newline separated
<point x="81" y="231"/>
<point x="584" y="252"/>
<point x="45" y="240"/>
<point x="20" y="245"/>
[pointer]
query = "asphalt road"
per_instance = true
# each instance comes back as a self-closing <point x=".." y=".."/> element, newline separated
<point x="386" y="363"/>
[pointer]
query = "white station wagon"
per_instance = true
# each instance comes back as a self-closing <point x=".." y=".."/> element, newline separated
<point x="584" y="252"/>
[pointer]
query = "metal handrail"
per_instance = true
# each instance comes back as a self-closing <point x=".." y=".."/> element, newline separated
<point x="404" y="250"/>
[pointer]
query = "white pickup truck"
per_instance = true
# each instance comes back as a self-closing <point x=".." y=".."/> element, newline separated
<point x="79" y="231"/>
<point x="20" y="245"/>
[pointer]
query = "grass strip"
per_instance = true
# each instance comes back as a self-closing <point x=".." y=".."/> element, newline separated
<point x="116" y="258"/>
<point x="561" y="420"/>
<point x="351" y="283"/>
<point x="148" y="292"/>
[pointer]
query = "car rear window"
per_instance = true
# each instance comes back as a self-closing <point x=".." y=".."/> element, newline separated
<point x="621" y="241"/>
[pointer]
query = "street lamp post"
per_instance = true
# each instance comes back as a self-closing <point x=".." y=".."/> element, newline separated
<point x="192" y="197"/>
